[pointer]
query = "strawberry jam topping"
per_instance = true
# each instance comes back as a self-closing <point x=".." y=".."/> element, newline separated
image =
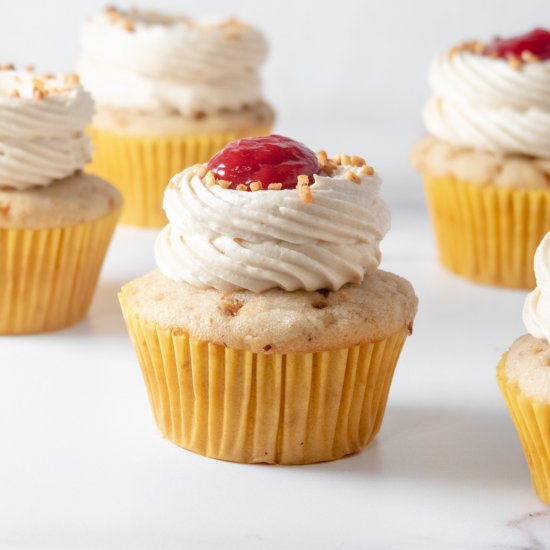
<point x="535" y="43"/>
<point x="267" y="159"/>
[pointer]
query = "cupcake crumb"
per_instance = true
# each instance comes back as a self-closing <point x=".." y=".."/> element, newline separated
<point x="231" y="307"/>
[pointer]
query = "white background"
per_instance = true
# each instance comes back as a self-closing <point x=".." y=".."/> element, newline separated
<point x="82" y="466"/>
<point x="344" y="75"/>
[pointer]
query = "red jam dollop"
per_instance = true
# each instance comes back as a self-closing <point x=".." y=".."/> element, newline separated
<point x="268" y="159"/>
<point x="536" y="42"/>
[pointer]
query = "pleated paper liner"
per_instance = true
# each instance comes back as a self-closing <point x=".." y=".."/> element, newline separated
<point x="141" y="167"/>
<point x="532" y="421"/>
<point x="488" y="234"/>
<point x="48" y="276"/>
<point x="246" y="407"/>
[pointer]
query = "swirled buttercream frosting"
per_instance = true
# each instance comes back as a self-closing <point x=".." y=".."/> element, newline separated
<point x="42" y="121"/>
<point x="320" y="235"/>
<point x="536" y="311"/>
<point x="489" y="102"/>
<point x="161" y="64"/>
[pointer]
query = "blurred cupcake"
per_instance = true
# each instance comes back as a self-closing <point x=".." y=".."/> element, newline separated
<point x="486" y="164"/>
<point x="170" y="92"/>
<point x="524" y="377"/>
<point x="268" y="334"/>
<point x="55" y="222"/>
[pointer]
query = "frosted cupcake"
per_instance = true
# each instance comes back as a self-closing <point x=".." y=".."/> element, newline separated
<point x="268" y="333"/>
<point x="170" y="92"/>
<point x="55" y="222"/>
<point x="486" y="163"/>
<point x="524" y="376"/>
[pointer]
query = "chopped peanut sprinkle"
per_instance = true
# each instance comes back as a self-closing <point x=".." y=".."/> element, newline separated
<point x="352" y="176"/>
<point x="329" y="165"/>
<point x="478" y="47"/>
<point x="210" y="178"/>
<point x="201" y="171"/>
<point x="303" y="189"/>
<point x="515" y="62"/>
<point x="256" y="186"/>
<point x="367" y="170"/>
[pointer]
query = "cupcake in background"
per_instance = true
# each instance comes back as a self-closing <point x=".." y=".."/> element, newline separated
<point x="55" y="222"/>
<point x="268" y="333"/>
<point x="524" y="377"/>
<point x="170" y="92"/>
<point x="486" y="162"/>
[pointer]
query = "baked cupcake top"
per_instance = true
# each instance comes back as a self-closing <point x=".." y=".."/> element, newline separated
<point x="163" y="64"/>
<point x="42" y="120"/>
<point x="528" y="361"/>
<point x="268" y="213"/>
<point x="493" y="96"/>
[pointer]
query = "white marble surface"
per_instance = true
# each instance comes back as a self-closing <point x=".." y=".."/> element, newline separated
<point x="82" y="465"/>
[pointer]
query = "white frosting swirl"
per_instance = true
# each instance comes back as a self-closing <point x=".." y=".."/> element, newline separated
<point x="536" y="311"/>
<point x="42" y="122"/>
<point x="231" y="240"/>
<point x="169" y="64"/>
<point x="484" y="103"/>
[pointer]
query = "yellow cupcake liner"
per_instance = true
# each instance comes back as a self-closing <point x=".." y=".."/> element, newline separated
<point x="141" y="167"/>
<point x="532" y="421"/>
<point x="48" y="276"/>
<point x="240" y="406"/>
<point x="488" y="234"/>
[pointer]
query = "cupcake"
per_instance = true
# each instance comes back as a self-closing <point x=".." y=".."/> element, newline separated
<point x="486" y="162"/>
<point x="268" y="333"/>
<point x="170" y="92"/>
<point x="523" y="375"/>
<point x="55" y="222"/>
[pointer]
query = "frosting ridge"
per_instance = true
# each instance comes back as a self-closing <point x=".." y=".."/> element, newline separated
<point x="488" y="104"/>
<point x="172" y="64"/>
<point x="536" y="311"/>
<point x="230" y="239"/>
<point x="42" y="120"/>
